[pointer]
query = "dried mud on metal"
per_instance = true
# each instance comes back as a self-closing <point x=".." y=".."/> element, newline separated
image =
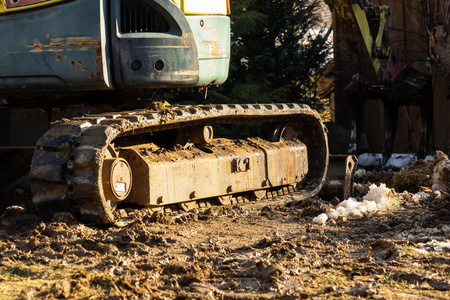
<point x="257" y="250"/>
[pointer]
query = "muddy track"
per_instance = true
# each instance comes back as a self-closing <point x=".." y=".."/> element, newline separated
<point x="66" y="171"/>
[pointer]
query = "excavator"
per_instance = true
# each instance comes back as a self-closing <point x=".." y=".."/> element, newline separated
<point x="83" y="67"/>
<point x="381" y="74"/>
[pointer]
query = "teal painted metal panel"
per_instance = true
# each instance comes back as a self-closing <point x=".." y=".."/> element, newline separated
<point x="212" y="37"/>
<point x="52" y="49"/>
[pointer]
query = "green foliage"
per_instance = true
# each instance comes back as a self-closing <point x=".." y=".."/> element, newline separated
<point x="277" y="47"/>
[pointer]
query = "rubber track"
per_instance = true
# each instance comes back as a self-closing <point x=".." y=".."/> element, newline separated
<point x="67" y="163"/>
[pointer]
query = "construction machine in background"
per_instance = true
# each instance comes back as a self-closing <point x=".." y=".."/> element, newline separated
<point x="381" y="74"/>
<point x="84" y="64"/>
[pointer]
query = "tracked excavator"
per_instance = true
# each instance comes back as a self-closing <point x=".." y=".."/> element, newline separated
<point x="82" y="65"/>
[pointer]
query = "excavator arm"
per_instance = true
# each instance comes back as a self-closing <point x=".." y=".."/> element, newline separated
<point x="396" y="84"/>
<point x="357" y="18"/>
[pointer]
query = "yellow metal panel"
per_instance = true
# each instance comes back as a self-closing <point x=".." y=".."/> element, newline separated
<point x="365" y="31"/>
<point x="178" y="2"/>
<point x="204" y="7"/>
<point x="363" y="26"/>
<point x="17" y="5"/>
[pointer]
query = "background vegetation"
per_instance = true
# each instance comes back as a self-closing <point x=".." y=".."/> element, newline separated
<point x="277" y="48"/>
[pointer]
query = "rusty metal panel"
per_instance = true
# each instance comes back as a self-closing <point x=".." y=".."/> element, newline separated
<point x="53" y="48"/>
<point x="224" y="167"/>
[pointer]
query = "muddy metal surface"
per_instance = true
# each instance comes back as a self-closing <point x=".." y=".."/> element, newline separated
<point x="259" y="250"/>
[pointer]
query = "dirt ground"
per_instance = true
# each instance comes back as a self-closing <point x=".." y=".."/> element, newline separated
<point x="258" y="250"/>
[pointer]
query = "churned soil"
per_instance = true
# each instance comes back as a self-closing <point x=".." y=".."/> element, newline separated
<point x="257" y="250"/>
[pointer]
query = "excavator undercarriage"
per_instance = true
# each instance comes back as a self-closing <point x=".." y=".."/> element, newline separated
<point x="89" y="165"/>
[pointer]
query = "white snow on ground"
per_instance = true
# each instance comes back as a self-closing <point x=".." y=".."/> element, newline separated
<point x="434" y="237"/>
<point x="432" y="246"/>
<point x="378" y="198"/>
<point x="420" y="196"/>
<point x="381" y="198"/>
<point x="397" y="160"/>
<point x="320" y="219"/>
<point x="436" y="246"/>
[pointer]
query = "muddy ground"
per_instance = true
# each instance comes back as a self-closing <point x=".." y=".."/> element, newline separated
<point x="257" y="250"/>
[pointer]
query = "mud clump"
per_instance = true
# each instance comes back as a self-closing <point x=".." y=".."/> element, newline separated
<point x="418" y="175"/>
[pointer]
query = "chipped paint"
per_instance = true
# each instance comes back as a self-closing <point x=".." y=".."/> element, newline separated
<point x="185" y="73"/>
<point x="93" y="75"/>
<point x="215" y="50"/>
<point x="98" y="52"/>
<point x="56" y="44"/>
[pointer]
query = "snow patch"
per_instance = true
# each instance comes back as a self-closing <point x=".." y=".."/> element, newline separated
<point x="378" y="198"/>
<point x="397" y="160"/>
<point x="436" y="246"/>
<point x="420" y="197"/>
<point x="320" y="219"/>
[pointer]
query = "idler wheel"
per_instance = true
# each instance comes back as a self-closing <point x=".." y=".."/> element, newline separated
<point x="283" y="131"/>
<point x="117" y="179"/>
<point x="199" y="134"/>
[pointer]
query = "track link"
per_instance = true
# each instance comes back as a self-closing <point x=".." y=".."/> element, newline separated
<point x="67" y="163"/>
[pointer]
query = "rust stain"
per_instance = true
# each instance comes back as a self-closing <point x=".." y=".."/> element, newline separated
<point x="72" y="62"/>
<point x="79" y="44"/>
<point x="98" y="74"/>
<point x="215" y="50"/>
<point x="83" y="42"/>
<point x="76" y="41"/>
<point x="187" y="40"/>
<point x="98" y="52"/>
<point x="58" y="57"/>
<point x="47" y="35"/>
<point x="84" y="68"/>
<point x="37" y="47"/>
<point x="80" y="62"/>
